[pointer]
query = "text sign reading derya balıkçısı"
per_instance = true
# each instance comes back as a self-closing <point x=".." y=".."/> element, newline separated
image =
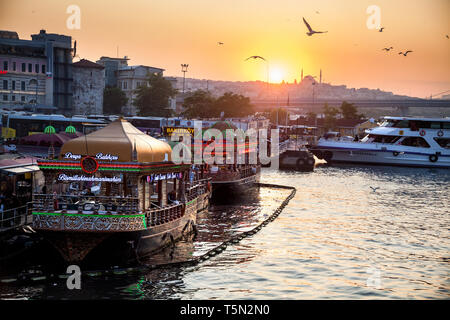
<point x="98" y="156"/>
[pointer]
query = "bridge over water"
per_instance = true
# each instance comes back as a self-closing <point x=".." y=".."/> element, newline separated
<point x="398" y="106"/>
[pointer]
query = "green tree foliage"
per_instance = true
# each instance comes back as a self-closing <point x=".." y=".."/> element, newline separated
<point x="349" y="111"/>
<point x="153" y="100"/>
<point x="113" y="100"/>
<point x="233" y="105"/>
<point x="330" y="116"/>
<point x="201" y="104"/>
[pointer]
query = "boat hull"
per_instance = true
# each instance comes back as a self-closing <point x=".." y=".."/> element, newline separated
<point x="126" y="246"/>
<point x="219" y="188"/>
<point x="380" y="157"/>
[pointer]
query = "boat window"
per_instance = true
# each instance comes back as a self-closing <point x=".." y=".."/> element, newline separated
<point x="446" y="125"/>
<point x="443" y="142"/>
<point x="402" y="124"/>
<point x="383" y="139"/>
<point x="435" y="125"/>
<point x="415" y="142"/>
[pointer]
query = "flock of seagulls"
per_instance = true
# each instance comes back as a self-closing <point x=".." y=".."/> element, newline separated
<point x="312" y="32"/>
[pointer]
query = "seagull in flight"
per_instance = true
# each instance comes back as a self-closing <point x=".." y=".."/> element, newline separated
<point x="388" y="49"/>
<point x="374" y="189"/>
<point x="255" y="57"/>
<point x="220" y="43"/>
<point x="381" y="29"/>
<point x="447" y="36"/>
<point x="405" y="53"/>
<point x="310" y="30"/>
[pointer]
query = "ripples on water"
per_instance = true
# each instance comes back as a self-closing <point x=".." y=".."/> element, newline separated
<point x="336" y="239"/>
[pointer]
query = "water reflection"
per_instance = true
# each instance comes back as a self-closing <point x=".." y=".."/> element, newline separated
<point x="351" y="232"/>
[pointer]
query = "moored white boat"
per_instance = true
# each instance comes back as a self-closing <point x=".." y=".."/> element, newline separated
<point x="399" y="141"/>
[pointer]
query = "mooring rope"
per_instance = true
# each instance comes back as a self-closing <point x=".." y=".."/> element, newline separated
<point x="192" y="262"/>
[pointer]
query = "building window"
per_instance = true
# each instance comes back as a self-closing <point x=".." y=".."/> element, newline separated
<point x="13" y="85"/>
<point x="13" y="98"/>
<point x="5" y="84"/>
<point x="5" y="65"/>
<point x="36" y="68"/>
<point x="14" y="66"/>
<point x="5" y="97"/>
<point x="24" y="67"/>
<point x="22" y="98"/>
<point x="43" y="68"/>
<point x="124" y="84"/>
<point x="30" y="67"/>
<point x="22" y="85"/>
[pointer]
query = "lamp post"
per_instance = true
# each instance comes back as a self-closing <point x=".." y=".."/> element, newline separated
<point x="184" y="70"/>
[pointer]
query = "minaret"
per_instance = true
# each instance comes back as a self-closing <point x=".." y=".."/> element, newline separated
<point x="320" y="75"/>
<point x="302" y="76"/>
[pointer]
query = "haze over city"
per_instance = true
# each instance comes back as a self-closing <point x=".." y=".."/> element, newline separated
<point x="165" y="34"/>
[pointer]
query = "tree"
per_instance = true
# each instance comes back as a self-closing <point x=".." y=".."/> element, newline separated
<point x="233" y="105"/>
<point x="113" y="100"/>
<point x="349" y="111"/>
<point x="330" y="116"/>
<point x="200" y="104"/>
<point x="153" y="100"/>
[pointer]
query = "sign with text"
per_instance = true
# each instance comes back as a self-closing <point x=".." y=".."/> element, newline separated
<point x="164" y="176"/>
<point x="170" y="130"/>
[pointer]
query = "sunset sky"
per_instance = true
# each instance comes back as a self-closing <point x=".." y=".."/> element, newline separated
<point x="167" y="33"/>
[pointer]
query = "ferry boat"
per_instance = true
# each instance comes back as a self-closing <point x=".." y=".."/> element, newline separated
<point x="398" y="141"/>
<point x="236" y="177"/>
<point x="115" y="194"/>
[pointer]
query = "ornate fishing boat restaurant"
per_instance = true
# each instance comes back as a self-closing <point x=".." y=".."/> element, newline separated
<point x="115" y="193"/>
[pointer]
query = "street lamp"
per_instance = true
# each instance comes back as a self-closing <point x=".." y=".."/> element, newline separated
<point x="184" y="70"/>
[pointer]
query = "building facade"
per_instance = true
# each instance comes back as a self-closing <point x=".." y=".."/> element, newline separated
<point x="36" y="71"/>
<point x="131" y="78"/>
<point x="23" y="68"/>
<point x="112" y="65"/>
<point x="88" y="87"/>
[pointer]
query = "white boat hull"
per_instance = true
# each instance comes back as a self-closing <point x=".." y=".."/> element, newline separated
<point x="356" y="154"/>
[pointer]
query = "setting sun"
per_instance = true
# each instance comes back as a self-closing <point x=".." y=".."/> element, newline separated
<point x="276" y="75"/>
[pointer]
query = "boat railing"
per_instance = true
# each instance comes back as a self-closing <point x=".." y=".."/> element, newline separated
<point x="165" y="214"/>
<point x="85" y="204"/>
<point x="15" y="217"/>
<point x="198" y="187"/>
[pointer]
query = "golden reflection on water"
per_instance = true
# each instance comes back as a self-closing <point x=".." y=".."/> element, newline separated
<point x="336" y="239"/>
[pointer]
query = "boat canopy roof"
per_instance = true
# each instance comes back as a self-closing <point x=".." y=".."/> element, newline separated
<point x="120" y="138"/>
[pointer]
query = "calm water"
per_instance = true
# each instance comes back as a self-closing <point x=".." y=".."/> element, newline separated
<point x="337" y="239"/>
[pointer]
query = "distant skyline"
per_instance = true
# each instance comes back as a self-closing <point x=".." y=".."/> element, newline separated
<point x="166" y="34"/>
